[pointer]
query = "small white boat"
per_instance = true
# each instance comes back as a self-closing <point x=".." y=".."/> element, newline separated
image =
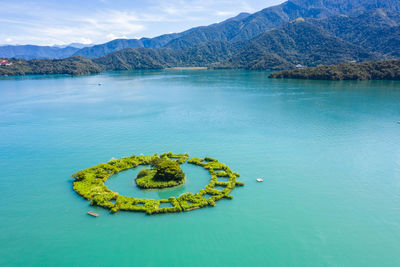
<point x="259" y="180"/>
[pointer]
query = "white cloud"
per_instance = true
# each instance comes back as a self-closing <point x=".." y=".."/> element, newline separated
<point x="113" y="36"/>
<point x="101" y="26"/>
<point x="85" y="41"/>
<point x="225" y="13"/>
<point x="51" y="22"/>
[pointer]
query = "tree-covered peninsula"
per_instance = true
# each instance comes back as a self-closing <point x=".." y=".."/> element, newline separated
<point x="68" y="66"/>
<point x="373" y="70"/>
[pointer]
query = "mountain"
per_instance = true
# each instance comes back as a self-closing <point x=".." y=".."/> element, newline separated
<point x="240" y="16"/>
<point x="322" y="38"/>
<point x="376" y="30"/>
<point x="327" y="8"/>
<point x="244" y="26"/>
<point x="308" y="42"/>
<point x="201" y="55"/>
<point x="241" y="28"/>
<point x="297" y="42"/>
<point x="35" y="51"/>
<point x="374" y="70"/>
<point x="119" y="44"/>
<point x="374" y="34"/>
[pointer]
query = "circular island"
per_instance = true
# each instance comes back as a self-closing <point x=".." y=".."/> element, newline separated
<point x="164" y="172"/>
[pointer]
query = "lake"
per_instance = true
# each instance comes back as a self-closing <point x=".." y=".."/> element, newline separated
<point x="329" y="153"/>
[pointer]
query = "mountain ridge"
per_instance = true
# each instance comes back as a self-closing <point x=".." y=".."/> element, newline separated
<point x="36" y="52"/>
<point x="372" y="34"/>
<point x="242" y="27"/>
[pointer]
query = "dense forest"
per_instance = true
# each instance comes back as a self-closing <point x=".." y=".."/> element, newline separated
<point x="297" y="42"/>
<point x="69" y="66"/>
<point x="374" y="70"/>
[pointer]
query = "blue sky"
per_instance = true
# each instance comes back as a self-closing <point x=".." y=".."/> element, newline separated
<point x="49" y="22"/>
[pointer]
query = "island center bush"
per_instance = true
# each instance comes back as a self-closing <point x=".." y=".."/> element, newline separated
<point x="166" y="173"/>
<point x="168" y="170"/>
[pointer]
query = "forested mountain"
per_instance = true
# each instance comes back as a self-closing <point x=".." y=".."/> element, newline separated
<point x="376" y="30"/>
<point x="269" y="18"/>
<point x="297" y="42"/>
<point x="245" y="26"/>
<point x="374" y="70"/>
<point x="374" y="34"/>
<point x="201" y="55"/>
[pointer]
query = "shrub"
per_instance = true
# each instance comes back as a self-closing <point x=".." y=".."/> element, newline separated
<point x="169" y="170"/>
<point x="143" y="172"/>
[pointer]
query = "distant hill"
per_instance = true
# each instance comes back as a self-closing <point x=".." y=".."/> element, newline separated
<point x="119" y="44"/>
<point x="375" y="70"/>
<point x="35" y="51"/>
<point x="76" y="45"/>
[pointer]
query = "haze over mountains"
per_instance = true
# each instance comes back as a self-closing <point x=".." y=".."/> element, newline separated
<point x="39" y="52"/>
<point x="305" y="32"/>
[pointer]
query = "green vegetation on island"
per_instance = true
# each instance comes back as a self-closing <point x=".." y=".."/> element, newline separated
<point x="89" y="184"/>
<point x="166" y="173"/>
<point x="374" y="70"/>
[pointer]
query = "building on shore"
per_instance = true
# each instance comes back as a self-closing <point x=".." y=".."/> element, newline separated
<point x="5" y="62"/>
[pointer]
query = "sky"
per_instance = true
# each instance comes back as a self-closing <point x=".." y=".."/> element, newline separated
<point x="61" y="22"/>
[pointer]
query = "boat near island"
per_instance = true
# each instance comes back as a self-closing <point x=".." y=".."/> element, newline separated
<point x="91" y="213"/>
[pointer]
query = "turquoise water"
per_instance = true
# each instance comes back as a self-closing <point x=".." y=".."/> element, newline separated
<point x="328" y="151"/>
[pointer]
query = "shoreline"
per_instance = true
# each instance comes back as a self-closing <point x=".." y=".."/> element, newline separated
<point x="187" y="68"/>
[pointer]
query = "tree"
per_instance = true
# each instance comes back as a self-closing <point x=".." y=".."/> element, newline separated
<point x="169" y="170"/>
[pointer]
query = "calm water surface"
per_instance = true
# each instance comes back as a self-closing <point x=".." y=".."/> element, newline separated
<point x="329" y="153"/>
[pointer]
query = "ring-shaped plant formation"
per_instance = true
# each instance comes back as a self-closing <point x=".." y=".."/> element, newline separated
<point x="89" y="183"/>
